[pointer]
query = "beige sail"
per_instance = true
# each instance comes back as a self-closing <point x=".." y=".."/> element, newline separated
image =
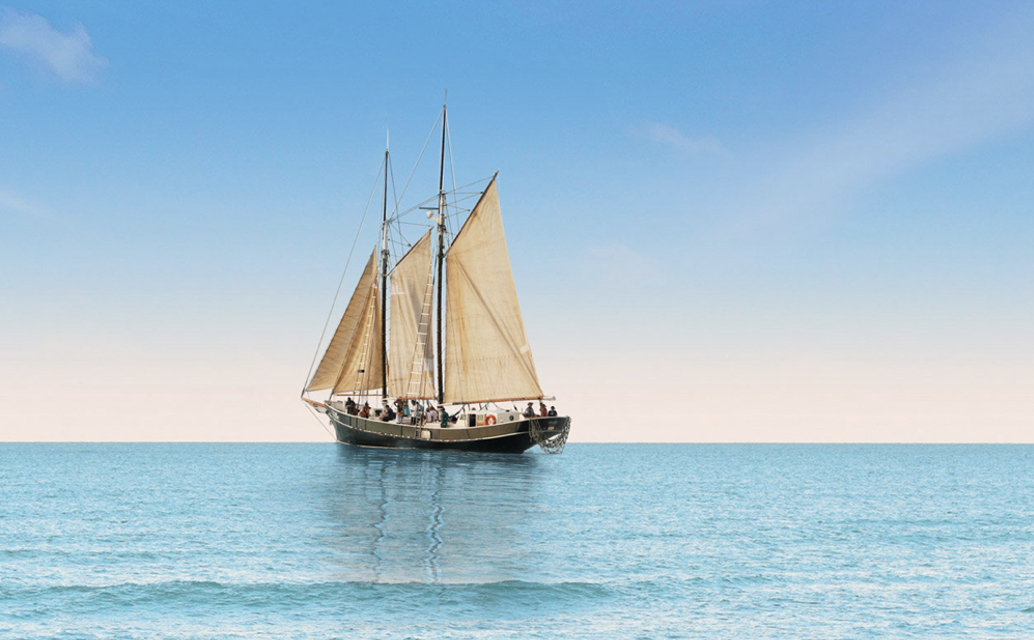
<point x="410" y="358"/>
<point x="352" y="362"/>
<point x="487" y="354"/>
<point x="361" y="371"/>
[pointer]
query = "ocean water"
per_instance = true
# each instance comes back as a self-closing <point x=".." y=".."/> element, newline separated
<point x="605" y="541"/>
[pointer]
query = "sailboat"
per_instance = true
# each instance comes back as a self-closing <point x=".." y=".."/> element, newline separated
<point x="408" y="369"/>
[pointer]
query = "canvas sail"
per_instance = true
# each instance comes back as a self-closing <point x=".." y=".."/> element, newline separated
<point x="361" y="370"/>
<point x="410" y="358"/>
<point x="352" y="362"/>
<point x="487" y="354"/>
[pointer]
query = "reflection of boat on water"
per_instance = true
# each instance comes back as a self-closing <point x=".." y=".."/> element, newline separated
<point x="481" y="358"/>
<point x="432" y="517"/>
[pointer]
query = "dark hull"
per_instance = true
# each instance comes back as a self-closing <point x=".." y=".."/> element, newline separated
<point x="512" y="437"/>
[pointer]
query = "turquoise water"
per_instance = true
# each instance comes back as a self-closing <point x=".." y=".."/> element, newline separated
<point x="605" y="541"/>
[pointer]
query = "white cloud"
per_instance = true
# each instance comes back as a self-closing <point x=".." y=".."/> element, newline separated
<point x="669" y="136"/>
<point x="13" y="202"/>
<point x="985" y="93"/>
<point x="69" y="55"/>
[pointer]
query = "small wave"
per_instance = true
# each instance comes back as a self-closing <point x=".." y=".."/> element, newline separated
<point x="190" y="594"/>
<point x="78" y="555"/>
<point x="540" y="593"/>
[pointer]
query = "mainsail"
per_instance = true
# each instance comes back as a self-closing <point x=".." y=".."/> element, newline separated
<point x="487" y="354"/>
<point x="352" y="362"/>
<point x="410" y="360"/>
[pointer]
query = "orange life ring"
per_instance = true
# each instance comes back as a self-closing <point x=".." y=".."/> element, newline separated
<point x="489" y="420"/>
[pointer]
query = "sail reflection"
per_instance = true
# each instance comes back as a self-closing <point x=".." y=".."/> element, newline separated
<point x="423" y="516"/>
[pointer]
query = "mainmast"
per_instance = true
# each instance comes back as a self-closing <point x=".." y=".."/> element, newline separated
<point x="384" y="280"/>
<point x="441" y="258"/>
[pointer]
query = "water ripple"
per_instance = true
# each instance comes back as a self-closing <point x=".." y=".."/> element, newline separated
<point x="641" y="541"/>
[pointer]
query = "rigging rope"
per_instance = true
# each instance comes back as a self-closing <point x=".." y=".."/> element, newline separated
<point x="406" y="186"/>
<point x="452" y="167"/>
<point x="322" y="424"/>
<point x="337" y="293"/>
<point x="550" y="444"/>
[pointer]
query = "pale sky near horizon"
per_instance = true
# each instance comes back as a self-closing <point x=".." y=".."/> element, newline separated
<point x="740" y="221"/>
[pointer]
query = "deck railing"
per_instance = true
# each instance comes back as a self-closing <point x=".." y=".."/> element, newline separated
<point x="436" y="432"/>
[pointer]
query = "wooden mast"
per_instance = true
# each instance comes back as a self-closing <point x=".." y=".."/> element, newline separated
<point x="384" y="282"/>
<point x="441" y="259"/>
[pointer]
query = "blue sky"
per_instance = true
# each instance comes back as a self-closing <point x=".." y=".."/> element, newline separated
<point x="743" y="221"/>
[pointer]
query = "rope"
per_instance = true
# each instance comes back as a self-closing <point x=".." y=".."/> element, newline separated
<point x="395" y="217"/>
<point x="317" y="418"/>
<point x="552" y="444"/>
<point x="340" y="282"/>
<point x="452" y="167"/>
<point x="467" y="195"/>
<point x="416" y="164"/>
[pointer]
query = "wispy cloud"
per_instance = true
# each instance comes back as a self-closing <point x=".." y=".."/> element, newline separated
<point x="69" y="56"/>
<point x="14" y="203"/>
<point x="983" y="94"/>
<point x="672" y="138"/>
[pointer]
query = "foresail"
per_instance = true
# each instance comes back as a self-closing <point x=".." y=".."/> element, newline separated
<point x="356" y="342"/>
<point x="487" y="353"/>
<point x="361" y="370"/>
<point x="410" y="358"/>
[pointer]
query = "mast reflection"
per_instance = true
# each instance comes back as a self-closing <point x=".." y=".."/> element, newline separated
<point x="429" y="516"/>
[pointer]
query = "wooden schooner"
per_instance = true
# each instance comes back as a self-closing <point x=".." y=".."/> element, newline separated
<point x="480" y="356"/>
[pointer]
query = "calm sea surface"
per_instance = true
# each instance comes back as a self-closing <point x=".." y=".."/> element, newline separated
<point x="604" y="541"/>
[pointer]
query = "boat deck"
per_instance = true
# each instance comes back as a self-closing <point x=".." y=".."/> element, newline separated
<point x="430" y="431"/>
<point x="515" y="434"/>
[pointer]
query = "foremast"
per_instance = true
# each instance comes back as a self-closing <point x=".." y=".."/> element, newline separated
<point x="384" y="277"/>
<point x="441" y="260"/>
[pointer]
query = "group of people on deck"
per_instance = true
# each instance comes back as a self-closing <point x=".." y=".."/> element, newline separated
<point x="404" y="412"/>
<point x="415" y="413"/>
<point x="542" y="413"/>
